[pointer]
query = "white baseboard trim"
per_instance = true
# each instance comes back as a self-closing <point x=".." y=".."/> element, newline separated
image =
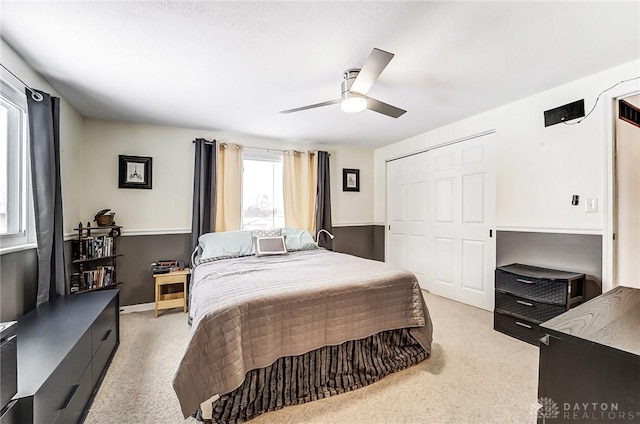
<point x="140" y="307"/>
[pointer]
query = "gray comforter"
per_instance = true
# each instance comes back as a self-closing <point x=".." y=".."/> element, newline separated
<point x="248" y="312"/>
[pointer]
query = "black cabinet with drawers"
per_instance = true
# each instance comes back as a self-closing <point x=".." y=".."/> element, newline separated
<point x="64" y="348"/>
<point x="590" y="361"/>
<point x="526" y="296"/>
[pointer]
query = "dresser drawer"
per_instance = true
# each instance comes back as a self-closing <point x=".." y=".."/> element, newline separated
<point x="8" y="369"/>
<point x="542" y="290"/>
<point x="76" y="400"/>
<point x="525" y="308"/>
<point x="519" y="328"/>
<point x="54" y="393"/>
<point x="102" y="325"/>
<point x="102" y="355"/>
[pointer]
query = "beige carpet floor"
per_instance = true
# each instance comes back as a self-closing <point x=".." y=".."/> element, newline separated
<point x="474" y="375"/>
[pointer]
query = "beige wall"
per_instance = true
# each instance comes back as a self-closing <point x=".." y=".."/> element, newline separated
<point x="627" y="258"/>
<point x="167" y="207"/>
<point x="538" y="169"/>
<point x="71" y="134"/>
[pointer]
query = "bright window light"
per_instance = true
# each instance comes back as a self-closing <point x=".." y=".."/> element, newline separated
<point x="16" y="214"/>
<point x="4" y="171"/>
<point x="262" y="198"/>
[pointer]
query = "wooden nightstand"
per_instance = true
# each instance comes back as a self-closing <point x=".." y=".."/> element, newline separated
<point x="171" y="300"/>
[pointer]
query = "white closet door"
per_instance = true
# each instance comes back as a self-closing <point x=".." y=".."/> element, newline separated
<point x="462" y="194"/>
<point x="441" y="210"/>
<point x="406" y="212"/>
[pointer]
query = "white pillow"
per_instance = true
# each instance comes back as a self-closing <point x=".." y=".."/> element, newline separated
<point x="226" y="244"/>
<point x="298" y="239"/>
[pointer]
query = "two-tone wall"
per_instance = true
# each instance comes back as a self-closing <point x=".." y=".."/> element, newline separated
<point x="157" y="222"/>
<point x="18" y="278"/>
<point x="538" y="170"/>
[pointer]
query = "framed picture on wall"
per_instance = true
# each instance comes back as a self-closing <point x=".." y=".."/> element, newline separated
<point x="350" y="179"/>
<point x="134" y="171"/>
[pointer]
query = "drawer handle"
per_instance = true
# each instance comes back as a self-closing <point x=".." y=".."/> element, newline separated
<point x="70" y="396"/>
<point x="9" y="339"/>
<point x="522" y="302"/>
<point x="106" y="335"/>
<point x="523" y="325"/>
<point x="520" y="280"/>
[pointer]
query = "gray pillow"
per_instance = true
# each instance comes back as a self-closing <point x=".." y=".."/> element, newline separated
<point x="271" y="232"/>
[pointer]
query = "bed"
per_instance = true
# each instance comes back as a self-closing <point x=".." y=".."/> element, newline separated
<point x="278" y="330"/>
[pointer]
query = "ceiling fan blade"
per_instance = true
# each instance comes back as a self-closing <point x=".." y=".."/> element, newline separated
<point x="373" y="67"/>
<point x="298" y="109"/>
<point x="383" y="108"/>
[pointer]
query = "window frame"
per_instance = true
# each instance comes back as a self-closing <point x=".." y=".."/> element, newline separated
<point x="25" y="236"/>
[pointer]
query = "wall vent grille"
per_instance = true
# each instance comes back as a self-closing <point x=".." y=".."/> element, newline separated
<point x="629" y="113"/>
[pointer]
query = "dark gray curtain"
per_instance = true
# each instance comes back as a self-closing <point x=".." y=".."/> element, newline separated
<point x="323" y="201"/>
<point x="44" y="147"/>
<point x="204" y="189"/>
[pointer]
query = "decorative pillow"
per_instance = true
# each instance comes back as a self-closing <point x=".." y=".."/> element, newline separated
<point x="272" y="232"/>
<point x="270" y="246"/>
<point x="298" y="239"/>
<point x="224" y="245"/>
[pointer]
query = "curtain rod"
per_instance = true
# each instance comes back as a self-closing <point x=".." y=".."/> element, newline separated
<point x="34" y="94"/>
<point x="272" y="150"/>
<point x="205" y="140"/>
<point x="256" y="148"/>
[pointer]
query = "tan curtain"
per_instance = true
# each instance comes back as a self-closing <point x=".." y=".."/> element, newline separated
<point x="300" y="180"/>
<point x="229" y="188"/>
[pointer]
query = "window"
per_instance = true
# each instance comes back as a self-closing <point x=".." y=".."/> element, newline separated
<point x="15" y="206"/>
<point x="262" y="201"/>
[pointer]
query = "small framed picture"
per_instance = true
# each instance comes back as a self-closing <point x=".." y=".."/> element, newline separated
<point x="350" y="179"/>
<point x="134" y="172"/>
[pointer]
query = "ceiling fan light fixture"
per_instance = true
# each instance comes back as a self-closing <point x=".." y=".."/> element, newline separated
<point x="353" y="103"/>
<point x="356" y="83"/>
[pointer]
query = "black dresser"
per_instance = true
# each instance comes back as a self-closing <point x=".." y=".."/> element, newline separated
<point x="64" y="349"/>
<point x="526" y="296"/>
<point x="590" y="361"/>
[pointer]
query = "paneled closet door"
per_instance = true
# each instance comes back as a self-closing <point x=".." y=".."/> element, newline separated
<point x="462" y="239"/>
<point x="407" y="214"/>
<point x="451" y="247"/>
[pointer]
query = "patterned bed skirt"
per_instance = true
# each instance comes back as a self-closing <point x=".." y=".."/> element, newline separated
<point x="321" y="373"/>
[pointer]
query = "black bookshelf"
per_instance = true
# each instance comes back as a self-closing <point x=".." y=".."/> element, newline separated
<point x="95" y="258"/>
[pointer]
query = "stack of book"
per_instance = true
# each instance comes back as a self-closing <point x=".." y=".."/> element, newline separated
<point x="93" y="247"/>
<point x="97" y="278"/>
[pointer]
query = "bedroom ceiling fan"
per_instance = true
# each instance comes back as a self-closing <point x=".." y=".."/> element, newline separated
<point x="356" y="84"/>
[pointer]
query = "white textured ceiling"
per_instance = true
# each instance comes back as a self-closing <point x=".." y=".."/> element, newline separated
<point x="232" y="66"/>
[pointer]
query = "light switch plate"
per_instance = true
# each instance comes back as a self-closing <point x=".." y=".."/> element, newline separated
<point x="591" y="205"/>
